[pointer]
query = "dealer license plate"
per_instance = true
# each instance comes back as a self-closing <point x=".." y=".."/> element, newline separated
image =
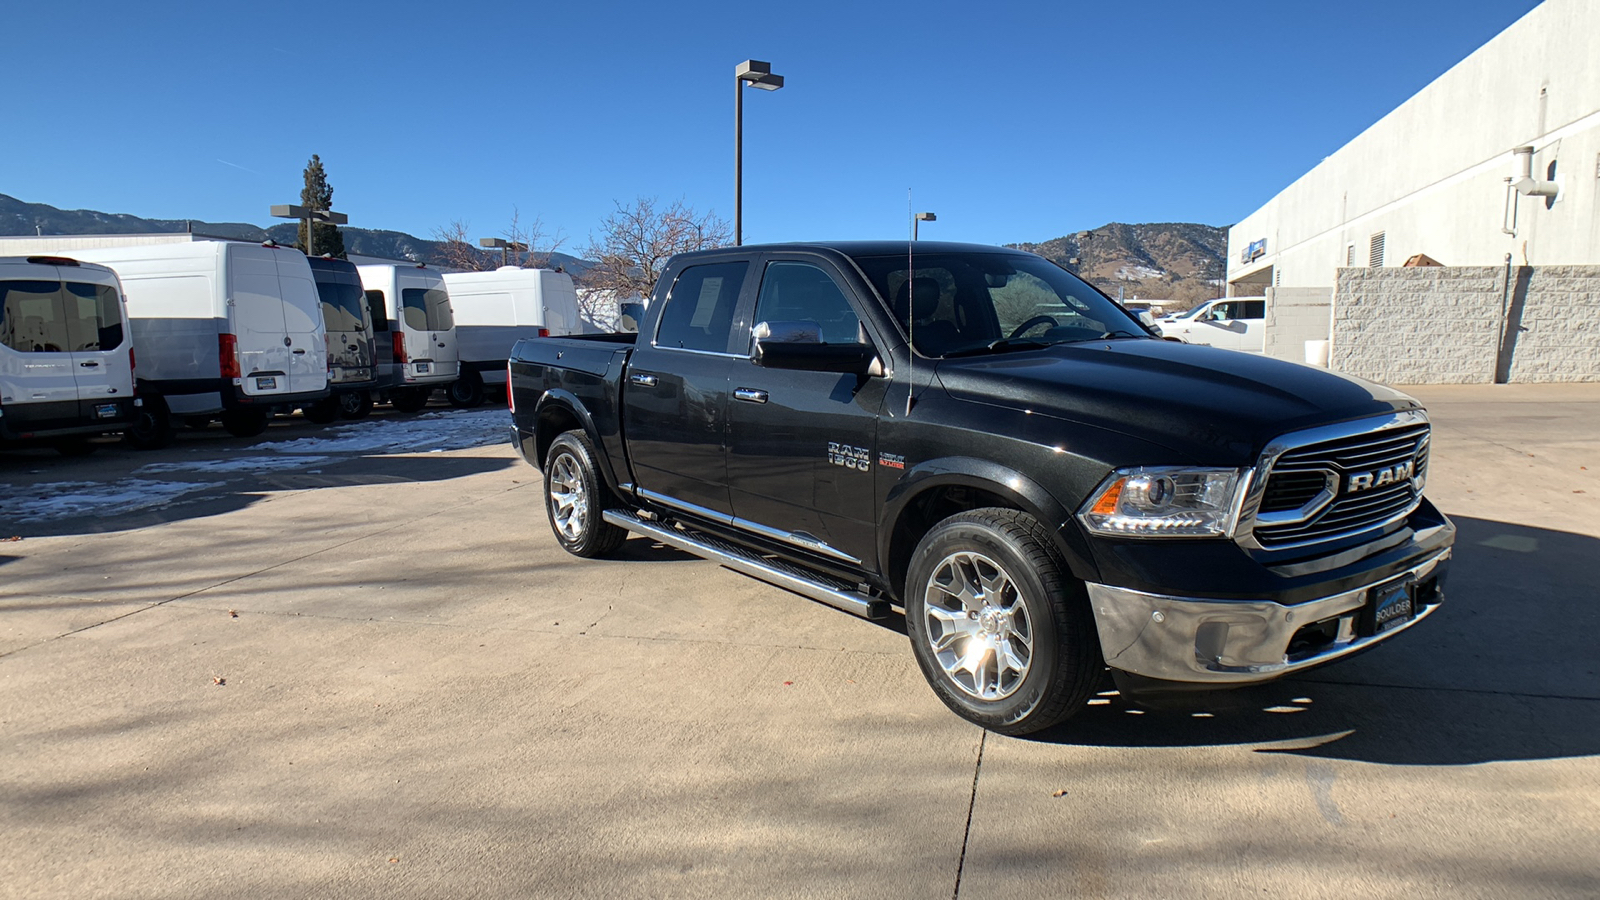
<point x="267" y="383"/>
<point x="106" y="411"/>
<point x="423" y="368"/>
<point x="1391" y="605"/>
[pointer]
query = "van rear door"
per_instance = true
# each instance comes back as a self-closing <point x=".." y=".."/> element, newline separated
<point x="256" y="316"/>
<point x="429" y="326"/>
<point x="100" y="346"/>
<point x="36" y="365"/>
<point x="307" y="334"/>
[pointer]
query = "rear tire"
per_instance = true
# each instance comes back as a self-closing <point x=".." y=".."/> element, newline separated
<point x="244" y="423"/>
<point x="409" y="400"/>
<point x="466" y="391"/>
<point x="323" y="411"/>
<point x="152" y="425"/>
<point x="355" y="405"/>
<point x="576" y="498"/>
<point x="1001" y="630"/>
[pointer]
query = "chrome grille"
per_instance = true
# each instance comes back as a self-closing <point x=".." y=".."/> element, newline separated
<point x="1299" y="474"/>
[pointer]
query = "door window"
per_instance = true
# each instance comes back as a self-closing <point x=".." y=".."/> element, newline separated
<point x="378" y="308"/>
<point x="426" y="309"/>
<point x="699" y="311"/>
<point x="94" y="316"/>
<point x="31" y="319"/>
<point x="801" y="292"/>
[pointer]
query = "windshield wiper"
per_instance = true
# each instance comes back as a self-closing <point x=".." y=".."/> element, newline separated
<point x="1120" y="333"/>
<point x="1000" y="346"/>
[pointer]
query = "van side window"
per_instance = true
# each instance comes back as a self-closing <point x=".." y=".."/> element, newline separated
<point x="94" y="317"/>
<point x="699" y="310"/>
<point x="426" y="309"/>
<point x="379" y="309"/>
<point x="800" y="292"/>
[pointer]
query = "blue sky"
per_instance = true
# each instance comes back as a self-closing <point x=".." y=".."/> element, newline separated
<point x="1011" y="121"/>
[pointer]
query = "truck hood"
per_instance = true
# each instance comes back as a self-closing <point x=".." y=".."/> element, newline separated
<point x="1214" y="407"/>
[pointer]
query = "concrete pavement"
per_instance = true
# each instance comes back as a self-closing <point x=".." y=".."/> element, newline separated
<point x="421" y="695"/>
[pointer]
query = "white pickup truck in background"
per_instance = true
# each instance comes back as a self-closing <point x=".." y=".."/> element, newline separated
<point x="1232" y="323"/>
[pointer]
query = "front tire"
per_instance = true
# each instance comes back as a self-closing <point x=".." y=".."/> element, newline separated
<point x="576" y="497"/>
<point x="1000" y="629"/>
<point x="466" y="392"/>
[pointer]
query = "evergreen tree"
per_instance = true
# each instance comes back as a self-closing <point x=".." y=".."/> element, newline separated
<point x="318" y="194"/>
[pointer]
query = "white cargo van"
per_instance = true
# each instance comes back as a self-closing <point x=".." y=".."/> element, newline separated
<point x="495" y="310"/>
<point x="66" y="361"/>
<point x="221" y="329"/>
<point x="422" y="330"/>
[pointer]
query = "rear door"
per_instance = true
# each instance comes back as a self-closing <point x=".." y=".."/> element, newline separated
<point x="256" y="315"/>
<point x="303" y="326"/>
<point x="1253" y="319"/>
<point x="100" y="342"/>
<point x="429" y="325"/>
<point x="675" y="396"/>
<point x="36" y="364"/>
<point x="382" y="337"/>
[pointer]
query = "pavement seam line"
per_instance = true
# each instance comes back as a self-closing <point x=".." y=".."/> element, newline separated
<point x="972" y="802"/>
<point x="276" y="565"/>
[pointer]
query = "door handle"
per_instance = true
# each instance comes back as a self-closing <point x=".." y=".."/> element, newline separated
<point x="750" y="395"/>
<point x="299" y="353"/>
<point x="89" y="365"/>
<point x="643" y="380"/>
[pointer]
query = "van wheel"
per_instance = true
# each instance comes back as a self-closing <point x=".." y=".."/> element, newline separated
<point x="321" y="412"/>
<point x="74" y="446"/>
<point x="244" y="422"/>
<point x="466" y="392"/>
<point x="152" y="426"/>
<point x="355" y="405"/>
<point x="409" y="400"/>
<point x="576" y="496"/>
<point x="1001" y="630"/>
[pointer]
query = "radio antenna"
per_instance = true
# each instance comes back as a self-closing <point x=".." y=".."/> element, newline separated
<point x="911" y="302"/>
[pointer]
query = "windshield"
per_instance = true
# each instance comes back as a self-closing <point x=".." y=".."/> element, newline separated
<point x="956" y="303"/>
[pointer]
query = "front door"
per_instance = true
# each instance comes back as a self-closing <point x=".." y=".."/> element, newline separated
<point x="675" y="395"/>
<point x="803" y="445"/>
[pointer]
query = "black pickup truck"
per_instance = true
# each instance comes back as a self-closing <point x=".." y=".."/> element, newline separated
<point x="975" y="436"/>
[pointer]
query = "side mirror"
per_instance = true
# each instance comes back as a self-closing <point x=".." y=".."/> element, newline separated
<point x="798" y="346"/>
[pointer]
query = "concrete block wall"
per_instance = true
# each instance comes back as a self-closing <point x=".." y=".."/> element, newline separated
<point x="1294" y="316"/>
<point x="1468" y="324"/>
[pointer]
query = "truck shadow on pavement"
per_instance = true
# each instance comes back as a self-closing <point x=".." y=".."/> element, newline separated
<point x="1505" y="670"/>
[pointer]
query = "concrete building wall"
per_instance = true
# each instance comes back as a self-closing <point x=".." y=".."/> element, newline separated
<point x="1468" y="324"/>
<point x="1294" y="316"/>
<point x="1431" y="174"/>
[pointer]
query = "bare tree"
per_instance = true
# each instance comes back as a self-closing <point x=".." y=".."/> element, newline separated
<point x="632" y="247"/>
<point x="456" y="247"/>
<point x="541" y="246"/>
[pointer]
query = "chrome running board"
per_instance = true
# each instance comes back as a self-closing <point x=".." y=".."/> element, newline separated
<point x="748" y="562"/>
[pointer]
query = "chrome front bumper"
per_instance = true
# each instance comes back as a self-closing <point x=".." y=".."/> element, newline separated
<point x="1236" y="641"/>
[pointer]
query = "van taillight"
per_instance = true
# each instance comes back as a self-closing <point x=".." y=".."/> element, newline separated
<point x="544" y="332"/>
<point x="228" y="354"/>
<point x="131" y="363"/>
<point x="400" y="348"/>
<point x="511" y="399"/>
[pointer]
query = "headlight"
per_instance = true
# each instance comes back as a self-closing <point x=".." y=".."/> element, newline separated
<point x="1166" y="501"/>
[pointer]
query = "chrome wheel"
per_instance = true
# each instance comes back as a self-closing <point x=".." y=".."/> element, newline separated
<point x="978" y="626"/>
<point x="569" y="498"/>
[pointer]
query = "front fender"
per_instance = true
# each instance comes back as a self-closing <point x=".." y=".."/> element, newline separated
<point x="1011" y="486"/>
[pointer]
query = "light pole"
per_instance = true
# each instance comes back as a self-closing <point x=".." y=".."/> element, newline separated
<point x="503" y="245"/>
<point x="308" y="215"/>
<point x="921" y="217"/>
<point x="756" y="74"/>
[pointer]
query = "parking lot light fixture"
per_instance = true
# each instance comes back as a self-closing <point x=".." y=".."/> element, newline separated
<point x="503" y="246"/>
<point x="757" y="74"/>
<point x="921" y="217"/>
<point x="308" y="215"/>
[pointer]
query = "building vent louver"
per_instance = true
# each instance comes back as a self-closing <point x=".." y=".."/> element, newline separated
<point x="1349" y="255"/>
<point x="1375" y="251"/>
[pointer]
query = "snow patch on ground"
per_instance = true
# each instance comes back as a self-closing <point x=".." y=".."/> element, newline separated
<point x="234" y="464"/>
<point x="427" y="432"/>
<point x="58" y="500"/>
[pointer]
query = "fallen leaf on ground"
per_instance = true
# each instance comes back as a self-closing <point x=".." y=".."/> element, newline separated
<point x="218" y="679"/>
<point x="14" y="537"/>
<point x="234" y="613"/>
<point x="394" y="859"/>
<point x="788" y="682"/>
<point x="1060" y="793"/>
